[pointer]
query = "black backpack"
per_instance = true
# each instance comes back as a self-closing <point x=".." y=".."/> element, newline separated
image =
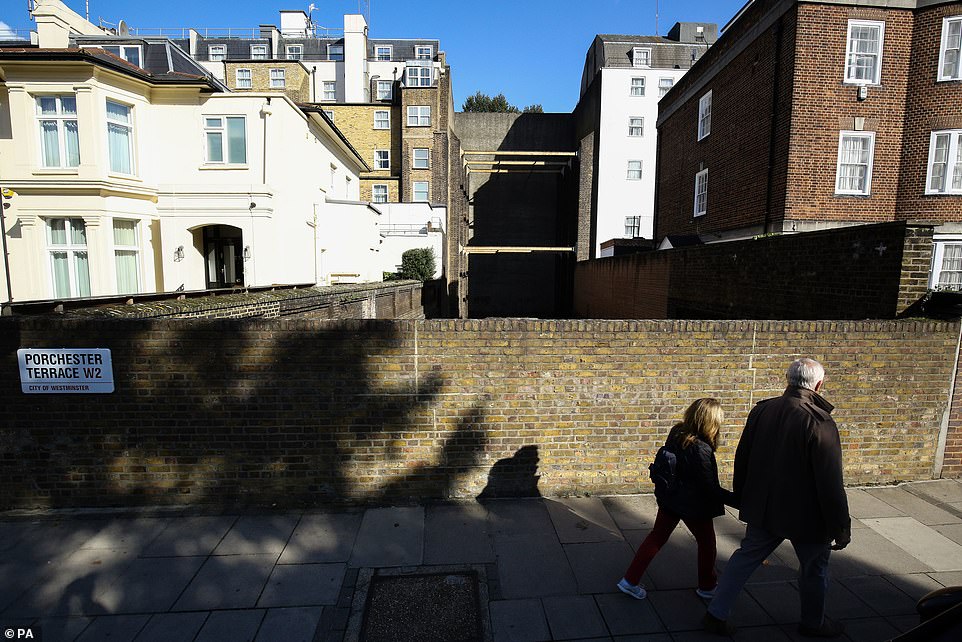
<point x="664" y="471"/>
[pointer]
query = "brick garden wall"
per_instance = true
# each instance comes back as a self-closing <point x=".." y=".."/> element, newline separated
<point x="298" y="412"/>
<point x="865" y="272"/>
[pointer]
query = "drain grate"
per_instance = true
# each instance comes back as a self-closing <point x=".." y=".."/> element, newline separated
<point x="423" y="608"/>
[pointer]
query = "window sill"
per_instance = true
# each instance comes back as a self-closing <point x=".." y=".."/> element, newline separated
<point x="698" y="215"/>
<point x="955" y="194"/>
<point x="205" y="168"/>
<point x="125" y="177"/>
<point x="949" y="80"/>
<point x="852" y="195"/>
<point x="854" y="83"/>
<point x="56" y="171"/>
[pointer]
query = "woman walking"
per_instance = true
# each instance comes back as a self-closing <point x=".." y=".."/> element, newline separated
<point x="696" y="498"/>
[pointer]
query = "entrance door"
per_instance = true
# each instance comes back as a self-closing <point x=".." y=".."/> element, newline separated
<point x="225" y="258"/>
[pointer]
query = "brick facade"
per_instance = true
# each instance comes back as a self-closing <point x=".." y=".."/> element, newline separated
<point x="356" y="122"/>
<point x="297" y="81"/>
<point x="872" y="271"/>
<point x="296" y="412"/>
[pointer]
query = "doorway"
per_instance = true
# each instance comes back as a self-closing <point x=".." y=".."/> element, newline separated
<point x="224" y="258"/>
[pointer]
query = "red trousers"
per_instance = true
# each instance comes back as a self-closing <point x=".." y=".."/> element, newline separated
<point x="665" y="523"/>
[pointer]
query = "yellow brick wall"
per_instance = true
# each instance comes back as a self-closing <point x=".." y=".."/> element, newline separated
<point x="356" y="122"/>
<point x="297" y="80"/>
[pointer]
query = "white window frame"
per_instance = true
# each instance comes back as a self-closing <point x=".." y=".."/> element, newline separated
<point x="424" y="52"/>
<point x="700" y="207"/>
<point x="382" y="119"/>
<point x="662" y="89"/>
<point x="381" y="50"/>
<point x="426" y="192"/>
<point x="385" y="89"/>
<point x="278" y="78"/>
<point x="417" y="76"/>
<point x="376" y="197"/>
<point x="382" y="159"/>
<point x="945" y="49"/>
<point x="294" y="52"/>
<point x="225" y="144"/>
<point x="704" y="115"/>
<point x="637" y="89"/>
<point x="636" y="126"/>
<point x="216" y="57"/>
<point x="332" y="51"/>
<point x="867" y="189"/>
<point x="329" y="90"/>
<point x="61" y="118"/>
<point x="851" y="55"/>
<point x="952" y="164"/>
<point x="121" y="51"/>
<point x="76" y="289"/>
<point x="127" y="249"/>
<point x="421" y="163"/>
<point x="632" y="227"/>
<point x="257" y="55"/>
<point x="641" y="57"/>
<point x="419" y="116"/>
<point x="635" y="170"/>
<point x="128" y="126"/>
<point x="940" y="242"/>
<point x="238" y="82"/>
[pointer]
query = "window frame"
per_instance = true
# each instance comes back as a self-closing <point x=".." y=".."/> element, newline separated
<point x="250" y="78"/>
<point x="279" y="82"/>
<point x="701" y="191"/>
<point x="419" y="55"/>
<point x="71" y="249"/>
<point x="951" y="166"/>
<point x="329" y="90"/>
<point x="60" y="118"/>
<point x="128" y="249"/>
<point x="939" y="244"/>
<point x="635" y="173"/>
<point x="640" y="127"/>
<point x="704" y="115"/>
<point x="639" y="54"/>
<point x="418" y="115"/>
<point x="382" y="159"/>
<point x="633" y="87"/>
<point x="120" y="53"/>
<point x="388" y="48"/>
<point x="662" y="90"/>
<point x="258" y="56"/>
<point x="876" y="79"/>
<point x="418" y="75"/>
<point x="426" y="160"/>
<point x="294" y="51"/>
<point x="225" y="142"/>
<point x="414" y="192"/>
<point x="331" y="54"/>
<point x="210" y="53"/>
<point x="633" y="226"/>
<point x="943" y="50"/>
<point x="374" y="194"/>
<point x="389" y="94"/>
<point x="867" y="191"/>
<point x="385" y="123"/>
<point x="129" y="126"/>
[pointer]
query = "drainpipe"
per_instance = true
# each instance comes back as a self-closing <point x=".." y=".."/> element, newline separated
<point x="314" y="84"/>
<point x="774" y="127"/>
<point x="6" y="255"/>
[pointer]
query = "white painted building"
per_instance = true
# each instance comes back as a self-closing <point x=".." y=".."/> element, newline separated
<point x="411" y="226"/>
<point x="623" y="80"/>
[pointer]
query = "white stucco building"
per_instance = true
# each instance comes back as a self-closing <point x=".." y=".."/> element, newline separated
<point x="624" y="78"/>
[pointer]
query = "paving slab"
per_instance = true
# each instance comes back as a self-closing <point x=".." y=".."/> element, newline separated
<point x="390" y="537"/>
<point x="872" y="554"/>
<point x="324" y="538"/>
<point x="127" y="533"/>
<point x="862" y="504"/>
<point x="168" y="627"/>
<point x="116" y="628"/>
<point x="597" y="567"/>
<point x="457" y="535"/>
<point x="913" y="506"/>
<point x="625" y="615"/>
<point x="66" y="629"/>
<point x="574" y="617"/>
<point x="779" y="600"/>
<point x="632" y="512"/>
<point x="519" y="621"/>
<point x="510" y="518"/>
<point x="903" y="623"/>
<point x="870" y="629"/>
<point x="881" y="595"/>
<point x="303" y="585"/>
<point x="682" y="610"/>
<point x="53" y="541"/>
<point x="533" y="567"/>
<point x="948" y="578"/>
<point x="289" y="625"/>
<point x="149" y="585"/>
<point x="940" y="490"/>
<point x="842" y="604"/>
<point x="915" y="585"/>
<point x="189" y="536"/>
<point x="257" y="535"/>
<point x="581" y="520"/>
<point x="229" y="582"/>
<point x="952" y="531"/>
<point x="236" y="626"/>
<point x="921" y="542"/>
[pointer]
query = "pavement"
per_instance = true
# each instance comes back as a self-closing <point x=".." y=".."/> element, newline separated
<point x="524" y="569"/>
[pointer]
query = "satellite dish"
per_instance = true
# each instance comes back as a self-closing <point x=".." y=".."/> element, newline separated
<point x="122" y="29"/>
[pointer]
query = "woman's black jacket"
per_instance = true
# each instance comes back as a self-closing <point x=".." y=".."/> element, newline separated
<point x="697" y="494"/>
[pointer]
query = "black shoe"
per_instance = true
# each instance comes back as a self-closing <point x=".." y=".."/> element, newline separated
<point x="712" y="624"/>
<point x="828" y="629"/>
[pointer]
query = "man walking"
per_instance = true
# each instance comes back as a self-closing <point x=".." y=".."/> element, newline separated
<point x="788" y="482"/>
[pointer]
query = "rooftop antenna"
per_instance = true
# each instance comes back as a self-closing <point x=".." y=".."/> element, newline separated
<point x="311" y="27"/>
<point x="657" y="33"/>
<point x="88" y="10"/>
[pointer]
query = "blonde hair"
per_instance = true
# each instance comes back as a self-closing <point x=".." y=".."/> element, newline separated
<point x="702" y="420"/>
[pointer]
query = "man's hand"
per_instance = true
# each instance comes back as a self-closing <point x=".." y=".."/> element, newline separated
<point x="842" y="540"/>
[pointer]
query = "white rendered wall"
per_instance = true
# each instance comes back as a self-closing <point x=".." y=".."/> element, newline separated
<point x="409" y="226"/>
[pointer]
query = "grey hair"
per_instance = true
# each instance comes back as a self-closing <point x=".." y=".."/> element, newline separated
<point x="805" y="373"/>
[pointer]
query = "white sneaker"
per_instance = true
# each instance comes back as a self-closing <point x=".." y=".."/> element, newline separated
<point x="706" y="594"/>
<point x="638" y="592"/>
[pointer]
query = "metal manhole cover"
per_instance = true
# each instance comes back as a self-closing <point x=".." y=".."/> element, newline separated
<point x="423" y="608"/>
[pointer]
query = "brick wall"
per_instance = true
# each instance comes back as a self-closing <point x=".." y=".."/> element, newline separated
<point x="297" y="412"/>
<point x="297" y="82"/>
<point x="869" y="271"/>
<point x="356" y="122"/>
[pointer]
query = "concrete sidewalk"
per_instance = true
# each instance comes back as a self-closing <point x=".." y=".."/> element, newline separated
<point x="534" y="569"/>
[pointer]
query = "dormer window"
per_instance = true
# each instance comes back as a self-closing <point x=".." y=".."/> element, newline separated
<point x="383" y="52"/>
<point x="295" y="52"/>
<point x="641" y="57"/>
<point x="335" y="52"/>
<point x="216" y="53"/>
<point x="130" y="53"/>
<point x="424" y="52"/>
<point x="258" y="52"/>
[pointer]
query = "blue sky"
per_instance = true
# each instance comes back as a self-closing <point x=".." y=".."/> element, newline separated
<point x="531" y="50"/>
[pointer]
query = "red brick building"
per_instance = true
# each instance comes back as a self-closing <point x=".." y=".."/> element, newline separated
<point x="808" y="115"/>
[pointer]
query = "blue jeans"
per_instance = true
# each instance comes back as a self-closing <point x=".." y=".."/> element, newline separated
<point x="757" y="545"/>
